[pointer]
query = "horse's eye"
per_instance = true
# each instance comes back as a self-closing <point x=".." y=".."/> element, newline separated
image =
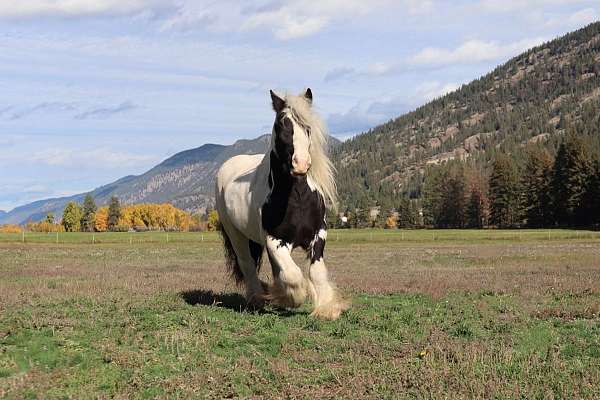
<point x="287" y="124"/>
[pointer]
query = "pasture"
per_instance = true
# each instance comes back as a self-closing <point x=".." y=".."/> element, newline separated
<point x="436" y="314"/>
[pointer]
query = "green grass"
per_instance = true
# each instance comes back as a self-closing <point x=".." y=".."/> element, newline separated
<point x="455" y="319"/>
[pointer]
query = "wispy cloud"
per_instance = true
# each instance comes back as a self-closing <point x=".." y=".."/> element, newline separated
<point x="284" y="19"/>
<point x="365" y="115"/>
<point x="101" y="158"/>
<point x="107" y="112"/>
<point x="369" y="113"/>
<point x="576" y="19"/>
<point x="19" y="9"/>
<point x="470" y="52"/>
<point x="46" y="107"/>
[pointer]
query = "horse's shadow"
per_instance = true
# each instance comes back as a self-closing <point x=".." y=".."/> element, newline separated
<point x="232" y="301"/>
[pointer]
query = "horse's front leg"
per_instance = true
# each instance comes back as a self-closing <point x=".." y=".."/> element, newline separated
<point x="289" y="289"/>
<point x="327" y="301"/>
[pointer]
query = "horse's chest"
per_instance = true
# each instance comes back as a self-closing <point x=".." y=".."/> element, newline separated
<point x="296" y="217"/>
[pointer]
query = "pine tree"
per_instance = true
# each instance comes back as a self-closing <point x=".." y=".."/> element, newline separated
<point x="572" y="172"/>
<point x="404" y="219"/>
<point x="505" y="207"/>
<point x="477" y="208"/>
<point x="537" y="188"/>
<point x="432" y="196"/>
<point x="71" y="219"/>
<point x="88" y="221"/>
<point x="114" y="213"/>
<point x="454" y="199"/>
<point x="591" y="198"/>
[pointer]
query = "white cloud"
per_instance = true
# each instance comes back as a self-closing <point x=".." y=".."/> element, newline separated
<point x="472" y="51"/>
<point x="496" y="6"/>
<point x="102" y="158"/>
<point x="284" y="19"/>
<point x="577" y="19"/>
<point x="428" y="91"/>
<point x="77" y="8"/>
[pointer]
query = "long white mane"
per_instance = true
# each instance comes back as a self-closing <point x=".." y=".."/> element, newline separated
<point x="322" y="171"/>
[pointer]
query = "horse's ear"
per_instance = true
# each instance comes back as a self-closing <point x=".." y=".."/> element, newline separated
<point x="308" y="96"/>
<point x="278" y="102"/>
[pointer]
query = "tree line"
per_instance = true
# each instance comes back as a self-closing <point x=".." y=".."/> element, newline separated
<point x="536" y="190"/>
<point x="117" y="218"/>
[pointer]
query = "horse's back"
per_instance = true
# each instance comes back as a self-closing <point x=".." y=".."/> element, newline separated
<point x="240" y="192"/>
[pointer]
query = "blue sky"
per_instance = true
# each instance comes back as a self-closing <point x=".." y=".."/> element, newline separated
<point x="93" y="90"/>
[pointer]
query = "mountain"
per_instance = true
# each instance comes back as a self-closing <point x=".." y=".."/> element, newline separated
<point x="186" y="180"/>
<point x="532" y="98"/>
<point x="2" y="213"/>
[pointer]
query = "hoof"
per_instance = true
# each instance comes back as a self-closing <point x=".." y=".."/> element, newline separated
<point x="289" y="296"/>
<point x="332" y="310"/>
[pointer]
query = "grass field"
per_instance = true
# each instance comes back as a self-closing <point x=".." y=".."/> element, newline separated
<point x="436" y="314"/>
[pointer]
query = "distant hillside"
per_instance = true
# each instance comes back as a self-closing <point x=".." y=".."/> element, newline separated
<point x="186" y="180"/>
<point x="527" y="100"/>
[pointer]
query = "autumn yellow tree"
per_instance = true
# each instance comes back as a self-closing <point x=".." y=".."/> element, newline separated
<point x="164" y="217"/>
<point x="391" y="222"/>
<point x="213" y="220"/>
<point x="101" y="221"/>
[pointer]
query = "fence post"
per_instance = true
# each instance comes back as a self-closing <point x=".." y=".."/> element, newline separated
<point x="93" y="238"/>
<point x="56" y="237"/>
<point x="23" y="236"/>
<point x="167" y="237"/>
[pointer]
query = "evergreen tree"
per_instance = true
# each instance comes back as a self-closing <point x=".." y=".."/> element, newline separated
<point x="432" y="196"/>
<point x="591" y="199"/>
<point x="50" y="218"/>
<point x="572" y="172"/>
<point x="505" y="207"/>
<point x="404" y="219"/>
<point x="71" y="219"/>
<point x="88" y="221"/>
<point x="114" y="213"/>
<point x="477" y="208"/>
<point x="454" y="199"/>
<point x="537" y="185"/>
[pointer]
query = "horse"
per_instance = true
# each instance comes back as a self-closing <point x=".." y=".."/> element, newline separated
<point x="277" y="201"/>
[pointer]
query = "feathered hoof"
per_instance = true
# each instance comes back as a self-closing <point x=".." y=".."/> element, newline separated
<point x="289" y="296"/>
<point x="332" y="310"/>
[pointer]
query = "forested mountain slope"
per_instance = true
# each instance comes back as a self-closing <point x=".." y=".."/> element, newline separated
<point x="530" y="99"/>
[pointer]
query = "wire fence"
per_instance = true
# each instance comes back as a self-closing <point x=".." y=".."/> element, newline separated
<point x="339" y="235"/>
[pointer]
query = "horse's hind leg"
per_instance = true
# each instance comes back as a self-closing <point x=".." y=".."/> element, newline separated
<point x="248" y="255"/>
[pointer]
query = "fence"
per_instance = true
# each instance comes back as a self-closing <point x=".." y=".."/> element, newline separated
<point x="334" y="236"/>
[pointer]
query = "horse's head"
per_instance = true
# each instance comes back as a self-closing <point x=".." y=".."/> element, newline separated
<point x="291" y="137"/>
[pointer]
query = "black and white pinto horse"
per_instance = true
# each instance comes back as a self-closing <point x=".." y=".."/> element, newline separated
<point x="277" y="201"/>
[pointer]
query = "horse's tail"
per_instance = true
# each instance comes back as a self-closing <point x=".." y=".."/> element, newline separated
<point x="231" y="260"/>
